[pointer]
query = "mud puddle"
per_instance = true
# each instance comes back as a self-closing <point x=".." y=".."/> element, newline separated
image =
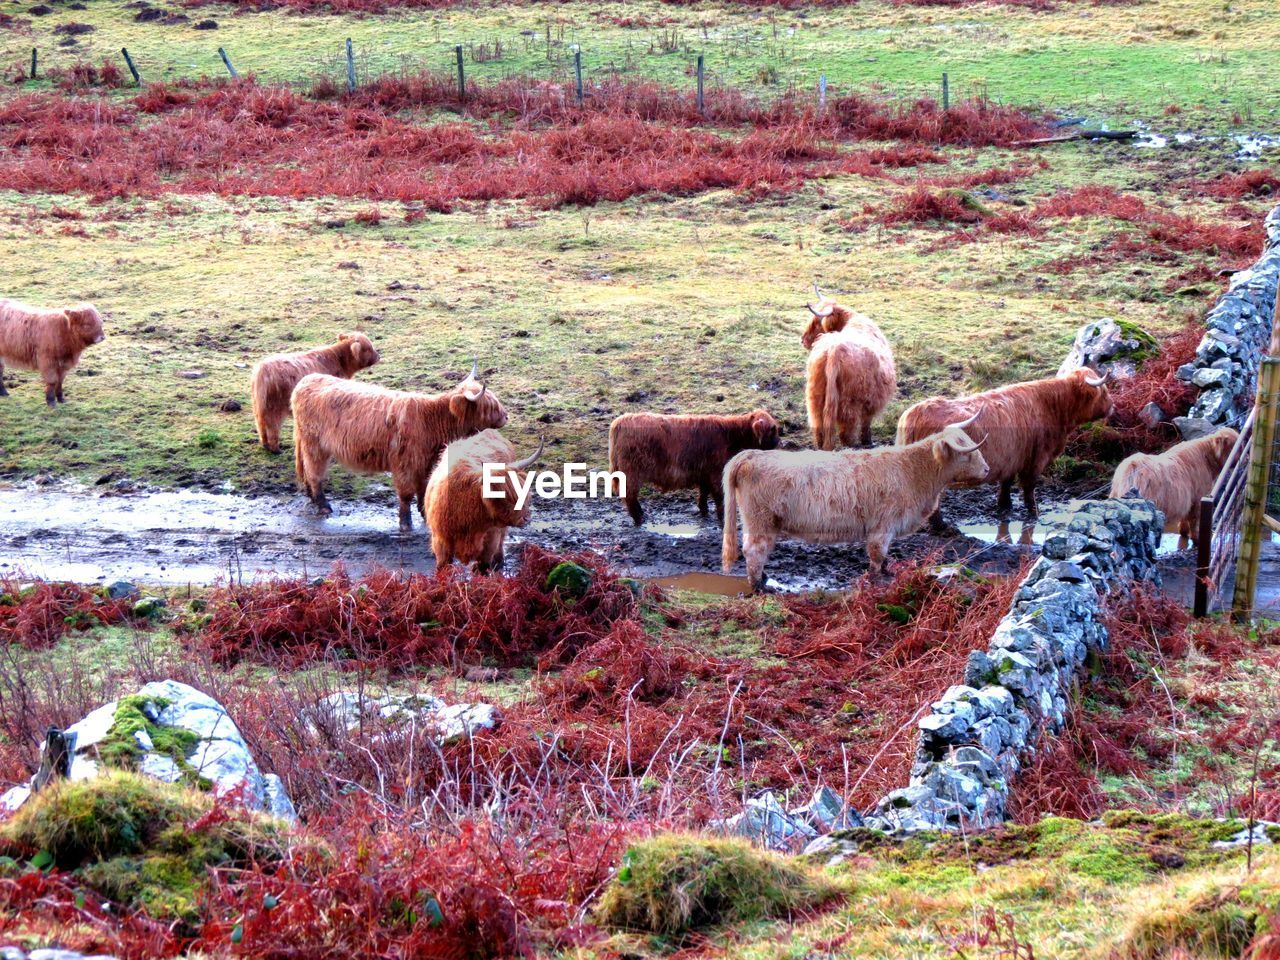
<point x="187" y="537"/>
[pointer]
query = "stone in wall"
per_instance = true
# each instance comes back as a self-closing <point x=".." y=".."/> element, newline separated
<point x="1237" y="330"/>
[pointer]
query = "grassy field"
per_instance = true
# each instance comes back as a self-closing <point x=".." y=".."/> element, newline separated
<point x="1113" y="62"/>
<point x="577" y="315"/>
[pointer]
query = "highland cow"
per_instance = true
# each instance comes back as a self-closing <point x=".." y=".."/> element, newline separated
<point x="1176" y="479"/>
<point x="371" y="429"/>
<point x="1026" y="426"/>
<point x="466" y="525"/>
<point x="680" y="452"/>
<point x="828" y="497"/>
<point x="850" y="375"/>
<point x="273" y="379"/>
<point x="48" y="340"/>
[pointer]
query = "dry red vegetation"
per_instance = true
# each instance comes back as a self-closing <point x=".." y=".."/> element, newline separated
<point x="1130" y="724"/>
<point x="396" y="623"/>
<point x="36" y="615"/>
<point x="1237" y="186"/>
<point x="829" y="695"/>
<point x="627" y="139"/>
<point x="1158" y="234"/>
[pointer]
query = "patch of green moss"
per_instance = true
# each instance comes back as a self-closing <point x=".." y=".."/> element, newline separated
<point x="120" y="747"/>
<point x="137" y="841"/>
<point x="569" y="578"/>
<point x="673" y="883"/>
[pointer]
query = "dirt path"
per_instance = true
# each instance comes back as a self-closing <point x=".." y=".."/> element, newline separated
<point x="91" y="535"/>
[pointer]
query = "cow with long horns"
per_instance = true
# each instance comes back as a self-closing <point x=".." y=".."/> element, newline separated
<point x="850" y="374"/>
<point x="1025" y="426"/>
<point x="872" y="496"/>
<point x="473" y="496"/>
<point x="372" y="429"/>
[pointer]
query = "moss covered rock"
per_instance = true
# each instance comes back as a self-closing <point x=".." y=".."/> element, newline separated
<point x="674" y="882"/>
<point x="569" y="578"/>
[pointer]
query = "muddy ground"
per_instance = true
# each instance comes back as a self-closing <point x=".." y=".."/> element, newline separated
<point x="110" y="532"/>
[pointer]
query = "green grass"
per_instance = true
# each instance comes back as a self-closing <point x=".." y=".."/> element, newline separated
<point x="1118" y="62"/>
<point x="691" y="305"/>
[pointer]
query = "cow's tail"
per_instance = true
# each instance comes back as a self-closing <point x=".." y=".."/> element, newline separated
<point x="729" y="551"/>
<point x="831" y="404"/>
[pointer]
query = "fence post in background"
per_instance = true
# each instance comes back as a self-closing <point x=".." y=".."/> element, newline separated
<point x="946" y="93"/>
<point x="1204" y="556"/>
<point x="577" y="74"/>
<point x="137" y="77"/>
<point x="227" y="60"/>
<point x="462" y="77"/>
<point x="351" y="68"/>
<point x="701" y="77"/>
<point x="35" y="56"/>
<point x="1252" y="525"/>
<point x="822" y="91"/>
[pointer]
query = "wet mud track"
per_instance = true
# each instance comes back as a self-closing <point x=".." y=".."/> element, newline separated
<point x="180" y="537"/>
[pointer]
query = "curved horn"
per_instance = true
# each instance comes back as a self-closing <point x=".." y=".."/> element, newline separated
<point x="961" y="424"/>
<point x="530" y="460"/>
<point x="816" y="292"/>
<point x="813" y="309"/>
<point x="1100" y="381"/>
<point x="475" y="369"/>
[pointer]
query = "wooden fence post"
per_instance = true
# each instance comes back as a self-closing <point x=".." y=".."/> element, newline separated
<point x="1255" y="494"/>
<point x="577" y="73"/>
<point x="946" y="93"/>
<point x="227" y="60"/>
<point x="1204" y="556"/>
<point x="35" y="55"/>
<point x="701" y="76"/>
<point x="462" y="77"/>
<point x="351" y="68"/>
<point x="137" y="77"/>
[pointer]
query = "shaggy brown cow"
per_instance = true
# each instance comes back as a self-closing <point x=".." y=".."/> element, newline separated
<point x="825" y="497"/>
<point x="1176" y="479"/>
<point x="1026" y="426"/>
<point x="273" y="379"/>
<point x="465" y="524"/>
<point x="679" y="452"/>
<point x="831" y="317"/>
<point x="371" y="429"/>
<point x="850" y="375"/>
<point x="49" y="340"/>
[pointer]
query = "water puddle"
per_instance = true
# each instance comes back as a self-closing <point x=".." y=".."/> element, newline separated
<point x="677" y="531"/>
<point x="716" y="584"/>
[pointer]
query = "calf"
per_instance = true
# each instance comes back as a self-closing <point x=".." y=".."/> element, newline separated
<point x="49" y="340"/>
<point x="679" y="452"/>
<point x="825" y="497"/>
<point x="375" y="430"/>
<point x="1176" y="479"/>
<point x="1026" y="426"/>
<point x="466" y="525"/>
<point x="273" y="379"/>
<point x="850" y="376"/>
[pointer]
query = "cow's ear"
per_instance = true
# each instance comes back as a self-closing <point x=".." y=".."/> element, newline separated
<point x="942" y="451"/>
<point x="760" y="425"/>
<point x="458" y="406"/>
<point x="357" y="348"/>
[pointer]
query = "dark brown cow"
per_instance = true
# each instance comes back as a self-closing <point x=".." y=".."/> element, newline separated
<point x="466" y="525"/>
<point x="681" y="452"/>
<point x="1025" y="426"/>
<point x="371" y="429"/>
<point x="273" y="379"/>
<point x="1176" y="479"/>
<point x="49" y="340"/>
